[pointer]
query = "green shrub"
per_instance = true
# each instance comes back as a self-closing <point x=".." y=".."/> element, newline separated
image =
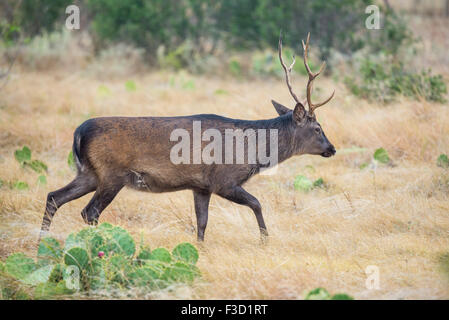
<point x="393" y="36"/>
<point x="443" y="161"/>
<point x="302" y="183"/>
<point x="187" y="28"/>
<point x="20" y="185"/>
<point x="380" y="156"/>
<point x="97" y="258"/>
<point x="38" y="16"/>
<point x="323" y="294"/>
<point x="384" y="80"/>
<point x="23" y="156"/>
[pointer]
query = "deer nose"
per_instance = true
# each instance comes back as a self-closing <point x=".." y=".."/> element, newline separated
<point x="332" y="150"/>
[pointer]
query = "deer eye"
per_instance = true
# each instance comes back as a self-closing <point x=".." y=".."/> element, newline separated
<point x="317" y="130"/>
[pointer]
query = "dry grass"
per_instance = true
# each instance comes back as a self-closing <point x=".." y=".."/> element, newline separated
<point x="395" y="218"/>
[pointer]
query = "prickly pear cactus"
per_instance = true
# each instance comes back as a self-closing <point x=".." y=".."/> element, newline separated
<point x="144" y="276"/>
<point x="116" y="240"/>
<point x="318" y="294"/>
<point x="40" y="275"/>
<point x="161" y="254"/>
<point x="122" y="241"/>
<point x="186" y="252"/>
<point x="77" y="257"/>
<point x="19" y="265"/>
<point x="104" y="257"/>
<point x="117" y="267"/>
<point x="49" y="249"/>
<point x="181" y="272"/>
<point x="144" y="254"/>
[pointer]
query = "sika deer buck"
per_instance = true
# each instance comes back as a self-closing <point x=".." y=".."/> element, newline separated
<point x="114" y="152"/>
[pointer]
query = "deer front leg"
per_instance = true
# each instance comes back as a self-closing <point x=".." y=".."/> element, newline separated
<point x="239" y="195"/>
<point x="202" y="211"/>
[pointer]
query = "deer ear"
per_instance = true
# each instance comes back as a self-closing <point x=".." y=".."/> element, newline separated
<point x="280" y="108"/>
<point x="299" y="114"/>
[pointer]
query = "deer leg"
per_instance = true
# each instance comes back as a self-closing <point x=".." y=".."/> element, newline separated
<point x="102" y="198"/>
<point x="239" y="195"/>
<point x="81" y="185"/>
<point x="201" y="200"/>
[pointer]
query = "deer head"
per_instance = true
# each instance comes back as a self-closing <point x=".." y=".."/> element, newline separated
<point x="308" y="134"/>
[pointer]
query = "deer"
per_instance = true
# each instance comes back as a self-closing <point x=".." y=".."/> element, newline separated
<point x="116" y="152"/>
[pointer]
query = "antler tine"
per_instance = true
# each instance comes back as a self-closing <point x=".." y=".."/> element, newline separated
<point x="312" y="77"/>
<point x="287" y="70"/>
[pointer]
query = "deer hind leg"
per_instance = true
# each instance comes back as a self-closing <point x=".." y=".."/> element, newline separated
<point x="239" y="195"/>
<point x="103" y="196"/>
<point x="201" y="200"/>
<point x="81" y="185"/>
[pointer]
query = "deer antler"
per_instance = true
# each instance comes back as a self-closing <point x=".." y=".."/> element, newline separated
<point x="287" y="70"/>
<point x="312" y="77"/>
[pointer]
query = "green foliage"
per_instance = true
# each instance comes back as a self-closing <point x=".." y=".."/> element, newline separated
<point x="20" y="185"/>
<point x="318" y="183"/>
<point x="48" y="290"/>
<point x="23" y="156"/>
<point x="148" y="24"/>
<point x="130" y="86"/>
<point x="49" y="249"/>
<point x="19" y="266"/>
<point x="38" y="276"/>
<point x="444" y="264"/>
<point x="392" y="37"/>
<point x="188" y="84"/>
<point x="161" y="254"/>
<point x="71" y="161"/>
<point x="103" y="91"/>
<point x="9" y="33"/>
<point x="180" y="33"/>
<point x="186" y="252"/>
<point x="180" y="272"/>
<point x="42" y="180"/>
<point x="318" y="294"/>
<point x="384" y="80"/>
<point x="302" y="183"/>
<point x="235" y="68"/>
<point x="120" y="267"/>
<point x="341" y="296"/>
<point x="221" y="92"/>
<point x="76" y="257"/>
<point x="443" y="161"/>
<point x="323" y="294"/>
<point x="144" y="254"/>
<point x="381" y="156"/>
<point x="32" y="20"/>
<point x="38" y="166"/>
<point x="188" y="28"/>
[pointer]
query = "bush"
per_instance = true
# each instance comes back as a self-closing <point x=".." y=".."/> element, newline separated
<point x="197" y="26"/>
<point x="38" y="16"/>
<point x="96" y="259"/>
<point x="384" y="80"/>
<point x="393" y="36"/>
